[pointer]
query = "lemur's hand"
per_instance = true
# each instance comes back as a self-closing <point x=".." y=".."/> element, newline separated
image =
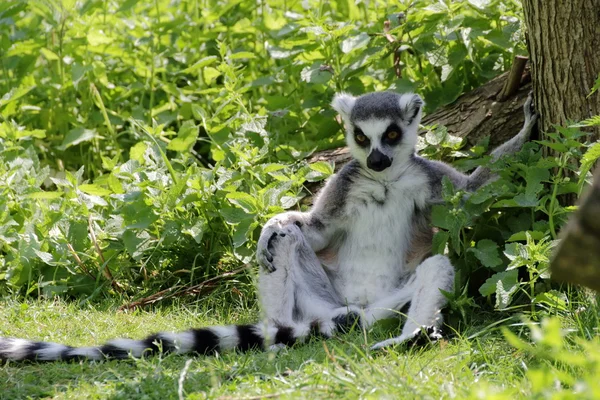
<point x="270" y="233"/>
<point x="531" y="115"/>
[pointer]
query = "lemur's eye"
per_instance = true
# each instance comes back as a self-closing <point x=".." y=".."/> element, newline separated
<point x="360" y="138"/>
<point x="392" y="135"/>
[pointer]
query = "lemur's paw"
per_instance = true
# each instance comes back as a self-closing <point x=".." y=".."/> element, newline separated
<point x="264" y="249"/>
<point x="529" y="110"/>
<point x="272" y="240"/>
<point x="421" y="337"/>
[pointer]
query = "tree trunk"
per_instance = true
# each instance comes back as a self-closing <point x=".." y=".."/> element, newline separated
<point x="564" y="48"/>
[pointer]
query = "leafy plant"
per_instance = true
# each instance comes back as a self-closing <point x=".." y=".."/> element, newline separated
<point x="143" y="143"/>
<point x="501" y="237"/>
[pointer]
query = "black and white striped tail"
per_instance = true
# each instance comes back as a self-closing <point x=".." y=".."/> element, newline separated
<point x="200" y="341"/>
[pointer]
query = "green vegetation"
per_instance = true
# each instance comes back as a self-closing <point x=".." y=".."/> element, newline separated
<point x="172" y="130"/>
<point x="143" y="144"/>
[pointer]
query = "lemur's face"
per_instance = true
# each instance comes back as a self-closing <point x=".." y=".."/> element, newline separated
<point x="381" y="127"/>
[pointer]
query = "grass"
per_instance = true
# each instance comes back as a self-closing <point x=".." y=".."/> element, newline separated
<point x="341" y="367"/>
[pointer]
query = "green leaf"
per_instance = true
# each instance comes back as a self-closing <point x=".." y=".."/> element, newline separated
<point x="504" y="291"/>
<point x="589" y="159"/>
<point x="355" y="42"/>
<point x="440" y="217"/>
<point x="94" y="190"/>
<point x="137" y="151"/>
<point x="186" y="137"/>
<point x="97" y="37"/>
<point x="244" y="201"/>
<point x="48" y="54"/>
<point x="522" y="236"/>
<point x="233" y="215"/>
<point x="241" y="55"/>
<point x="508" y="279"/>
<point x="553" y="298"/>
<point x="204" y="62"/>
<point x="44" y="195"/>
<point x="242" y="231"/>
<point x="487" y="252"/>
<point x="315" y="74"/>
<point x="196" y="231"/>
<point x="76" y="136"/>
<point x="319" y="171"/>
<point x="440" y="239"/>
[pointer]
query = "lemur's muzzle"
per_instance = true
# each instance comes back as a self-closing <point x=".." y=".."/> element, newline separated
<point x="377" y="161"/>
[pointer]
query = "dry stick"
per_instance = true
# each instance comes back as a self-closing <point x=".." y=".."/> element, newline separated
<point x="392" y="40"/>
<point x="79" y="262"/>
<point x="164" y="294"/>
<point x="513" y="82"/>
<point x="105" y="270"/>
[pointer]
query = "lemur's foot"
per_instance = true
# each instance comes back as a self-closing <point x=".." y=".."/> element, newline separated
<point x="421" y="337"/>
<point x="344" y="323"/>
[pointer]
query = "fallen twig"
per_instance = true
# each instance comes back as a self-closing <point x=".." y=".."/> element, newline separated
<point x="174" y="292"/>
<point x="104" y="268"/>
<point x="79" y="262"/>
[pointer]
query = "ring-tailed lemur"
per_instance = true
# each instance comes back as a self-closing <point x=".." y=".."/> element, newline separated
<point x="360" y="254"/>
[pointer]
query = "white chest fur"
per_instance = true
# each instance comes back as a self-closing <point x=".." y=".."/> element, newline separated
<point x="372" y="256"/>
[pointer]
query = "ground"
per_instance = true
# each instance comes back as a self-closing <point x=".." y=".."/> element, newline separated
<point x="341" y="367"/>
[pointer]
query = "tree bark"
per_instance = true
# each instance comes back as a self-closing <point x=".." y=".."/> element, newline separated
<point x="564" y="48"/>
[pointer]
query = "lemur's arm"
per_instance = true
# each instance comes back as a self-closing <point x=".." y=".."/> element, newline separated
<point x="320" y="224"/>
<point x="482" y="175"/>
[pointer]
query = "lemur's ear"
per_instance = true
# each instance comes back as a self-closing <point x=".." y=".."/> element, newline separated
<point x="411" y="105"/>
<point x="343" y="104"/>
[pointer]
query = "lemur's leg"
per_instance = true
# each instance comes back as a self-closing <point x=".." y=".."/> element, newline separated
<point x="389" y="306"/>
<point x="298" y="292"/>
<point x="482" y="175"/>
<point x="431" y="275"/>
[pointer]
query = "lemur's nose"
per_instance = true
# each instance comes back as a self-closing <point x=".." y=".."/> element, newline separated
<point x="377" y="161"/>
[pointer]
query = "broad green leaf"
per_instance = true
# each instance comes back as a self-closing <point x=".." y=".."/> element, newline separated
<point x="355" y="42"/>
<point x="244" y="201"/>
<point x="487" y="252"/>
<point x="440" y="239"/>
<point x="186" y="137"/>
<point x="76" y="136"/>
<point x="504" y="291"/>
<point x="233" y="215"/>
<point x="204" y="62"/>
<point x="242" y="55"/>
<point x="509" y="279"/>
<point x="49" y="54"/>
<point x="553" y="298"/>
<point x="319" y="171"/>
<point x="317" y="75"/>
<point x="137" y="152"/>
<point x="44" y="195"/>
<point x="94" y="190"/>
<point x="97" y="37"/>
<point x="196" y="231"/>
<point x="521" y="236"/>
<point x="242" y="230"/>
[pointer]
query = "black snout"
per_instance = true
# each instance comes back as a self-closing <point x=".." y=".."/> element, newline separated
<point x="377" y="161"/>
